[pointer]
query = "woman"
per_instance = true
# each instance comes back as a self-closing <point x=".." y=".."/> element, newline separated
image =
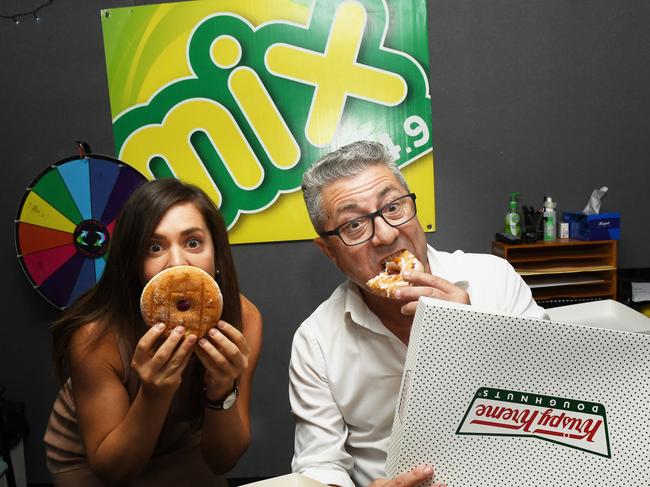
<point x="136" y="408"/>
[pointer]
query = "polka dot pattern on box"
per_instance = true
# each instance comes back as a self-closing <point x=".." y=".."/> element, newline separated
<point x="460" y="351"/>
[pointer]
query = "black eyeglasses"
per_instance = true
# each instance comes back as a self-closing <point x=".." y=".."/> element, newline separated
<point x="362" y="228"/>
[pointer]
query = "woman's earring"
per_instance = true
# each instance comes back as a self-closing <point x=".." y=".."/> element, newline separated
<point x="217" y="272"/>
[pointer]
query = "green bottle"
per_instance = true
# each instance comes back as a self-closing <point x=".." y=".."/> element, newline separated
<point x="513" y="218"/>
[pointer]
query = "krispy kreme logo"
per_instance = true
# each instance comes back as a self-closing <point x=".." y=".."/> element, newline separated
<point x="577" y="424"/>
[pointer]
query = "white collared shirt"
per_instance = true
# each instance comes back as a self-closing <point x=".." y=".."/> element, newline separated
<point x="346" y="369"/>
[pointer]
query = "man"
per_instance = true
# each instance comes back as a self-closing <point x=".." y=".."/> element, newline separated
<point x="347" y="357"/>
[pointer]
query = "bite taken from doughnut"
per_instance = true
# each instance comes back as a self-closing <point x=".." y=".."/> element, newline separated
<point x="387" y="281"/>
<point x="182" y="295"/>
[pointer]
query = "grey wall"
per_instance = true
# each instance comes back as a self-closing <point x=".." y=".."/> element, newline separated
<point x="535" y="96"/>
<point x="540" y="96"/>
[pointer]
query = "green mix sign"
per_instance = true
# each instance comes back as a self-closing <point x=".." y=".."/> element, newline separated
<point x="240" y="98"/>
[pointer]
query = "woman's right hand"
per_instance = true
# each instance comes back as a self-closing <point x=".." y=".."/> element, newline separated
<point x="160" y="369"/>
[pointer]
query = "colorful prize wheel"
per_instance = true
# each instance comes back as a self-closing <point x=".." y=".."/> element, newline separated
<point x="65" y="221"/>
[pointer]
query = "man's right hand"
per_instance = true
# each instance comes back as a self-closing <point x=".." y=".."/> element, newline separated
<point x="424" y="284"/>
<point x="408" y="479"/>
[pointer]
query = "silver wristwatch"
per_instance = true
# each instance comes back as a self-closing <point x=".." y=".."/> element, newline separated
<point x="225" y="403"/>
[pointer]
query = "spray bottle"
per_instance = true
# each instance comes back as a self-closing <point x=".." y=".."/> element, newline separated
<point x="550" y="222"/>
<point x="513" y="218"/>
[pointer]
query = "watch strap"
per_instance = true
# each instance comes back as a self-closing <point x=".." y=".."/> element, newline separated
<point x="220" y="405"/>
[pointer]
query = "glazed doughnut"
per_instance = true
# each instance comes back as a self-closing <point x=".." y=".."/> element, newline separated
<point x="182" y="295"/>
<point x="386" y="282"/>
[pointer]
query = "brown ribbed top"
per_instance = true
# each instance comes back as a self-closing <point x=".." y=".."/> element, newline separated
<point x="182" y="429"/>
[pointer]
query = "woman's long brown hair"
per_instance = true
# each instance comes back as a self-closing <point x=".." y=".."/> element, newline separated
<point x="114" y="302"/>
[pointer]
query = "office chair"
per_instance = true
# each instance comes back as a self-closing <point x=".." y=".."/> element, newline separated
<point x="6" y="467"/>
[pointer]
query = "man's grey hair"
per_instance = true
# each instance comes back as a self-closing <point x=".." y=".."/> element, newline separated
<point x="345" y="162"/>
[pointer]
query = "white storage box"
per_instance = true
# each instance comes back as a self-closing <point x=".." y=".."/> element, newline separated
<point x="602" y="314"/>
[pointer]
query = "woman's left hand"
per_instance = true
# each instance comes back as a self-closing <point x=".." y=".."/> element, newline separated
<point x="224" y="353"/>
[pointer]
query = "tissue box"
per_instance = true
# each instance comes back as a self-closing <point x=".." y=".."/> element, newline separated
<point x="603" y="226"/>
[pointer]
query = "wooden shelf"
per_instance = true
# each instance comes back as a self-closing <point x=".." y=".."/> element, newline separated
<point x="565" y="269"/>
<point x="546" y="269"/>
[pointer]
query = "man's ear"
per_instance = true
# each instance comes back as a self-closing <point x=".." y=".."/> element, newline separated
<point x="320" y="243"/>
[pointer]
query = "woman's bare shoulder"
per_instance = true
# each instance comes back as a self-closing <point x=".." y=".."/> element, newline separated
<point x="95" y="345"/>
<point x="251" y="320"/>
<point x="249" y="311"/>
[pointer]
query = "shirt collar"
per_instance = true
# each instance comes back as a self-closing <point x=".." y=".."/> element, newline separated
<point x="449" y="271"/>
<point x="356" y="310"/>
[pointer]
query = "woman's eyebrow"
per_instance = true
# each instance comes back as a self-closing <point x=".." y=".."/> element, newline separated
<point x="185" y="232"/>
<point x="192" y="230"/>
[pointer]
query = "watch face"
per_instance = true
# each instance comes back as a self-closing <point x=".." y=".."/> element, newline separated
<point x="230" y="400"/>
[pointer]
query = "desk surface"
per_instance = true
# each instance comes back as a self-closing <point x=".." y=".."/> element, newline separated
<point x="290" y="480"/>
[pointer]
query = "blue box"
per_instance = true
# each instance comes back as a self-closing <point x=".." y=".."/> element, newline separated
<point x="603" y="226"/>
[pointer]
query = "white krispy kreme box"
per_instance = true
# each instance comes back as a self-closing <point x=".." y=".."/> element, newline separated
<point x="495" y="399"/>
